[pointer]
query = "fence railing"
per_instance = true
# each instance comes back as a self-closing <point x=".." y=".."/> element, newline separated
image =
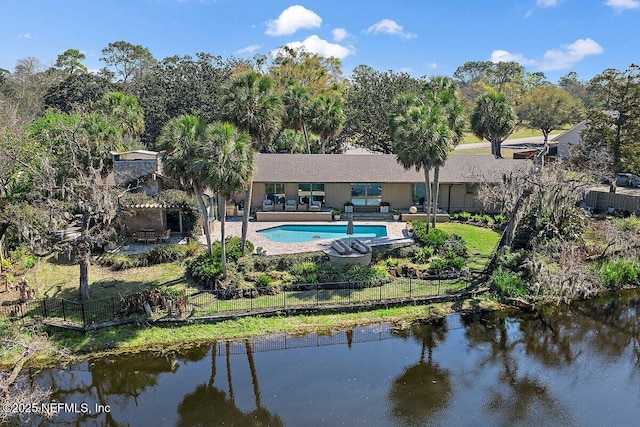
<point x="204" y="304"/>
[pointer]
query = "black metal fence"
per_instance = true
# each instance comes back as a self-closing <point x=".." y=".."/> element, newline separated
<point x="206" y="304"/>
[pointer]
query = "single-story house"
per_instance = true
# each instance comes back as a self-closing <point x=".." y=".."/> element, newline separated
<point x="369" y="180"/>
<point x="568" y="138"/>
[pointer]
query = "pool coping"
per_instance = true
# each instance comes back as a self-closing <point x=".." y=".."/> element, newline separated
<point x="396" y="233"/>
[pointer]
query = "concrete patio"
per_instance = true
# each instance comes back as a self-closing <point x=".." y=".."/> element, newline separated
<point x="396" y="233"/>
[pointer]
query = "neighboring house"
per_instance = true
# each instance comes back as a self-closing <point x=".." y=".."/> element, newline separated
<point x="569" y="138"/>
<point x="368" y="180"/>
<point x="144" y="206"/>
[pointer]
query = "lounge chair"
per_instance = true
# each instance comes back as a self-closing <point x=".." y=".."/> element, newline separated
<point x="291" y="205"/>
<point x="267" y="205"/>
<point x="360" y="247"/>
<point x="340" y="247"/>
<point x="315" y="206"/>
<point x="135" y="237"/>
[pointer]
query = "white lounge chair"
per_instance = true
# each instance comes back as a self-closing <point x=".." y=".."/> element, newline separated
<point x="291" y="205"/>
<point x="315" y="206"/>
<point x="267" y="205"/>
<point x="340" y="247"/>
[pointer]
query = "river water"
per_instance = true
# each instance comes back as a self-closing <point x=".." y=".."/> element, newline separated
<point x="578" y="366"/>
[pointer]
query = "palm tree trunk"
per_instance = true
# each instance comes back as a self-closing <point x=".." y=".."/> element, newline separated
<point x="245" y="216"/>
<point x="306" y="138"/>
<point x="223" y="257"/>
<point x="205" y="215"/>
<point x="254" y="374"/>
<point x="427" y="193"/>
<point x="436" y="193"/>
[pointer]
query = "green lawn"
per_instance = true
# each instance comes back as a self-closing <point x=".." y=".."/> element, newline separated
<point x="480" y="241"/>
<point x="60" y="279"/>
<point x="520" y="132"/>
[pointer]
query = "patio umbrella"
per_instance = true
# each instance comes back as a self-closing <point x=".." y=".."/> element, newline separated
<point x="350" y="228"/>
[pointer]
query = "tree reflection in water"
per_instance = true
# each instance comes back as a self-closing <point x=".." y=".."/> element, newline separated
<point x="423" y="389"/>
<point x="210" y="406"/>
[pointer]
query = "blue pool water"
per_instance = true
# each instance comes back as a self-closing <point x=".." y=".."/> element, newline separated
<point x="305" y="233"/>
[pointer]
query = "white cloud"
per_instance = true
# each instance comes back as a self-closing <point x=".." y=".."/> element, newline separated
<point x="389" y="26"/>
<point x="432" y="65"/>
<point x="548" y="3"/>
<point x="554" y="59"/>
<point x="315" y="44"/>
<point x="339" y="34"/>
<point x="620" y="5"/>
<point x="291" y="20"/>
<point x="27" y="36"/>
<point x="248" y="49"/>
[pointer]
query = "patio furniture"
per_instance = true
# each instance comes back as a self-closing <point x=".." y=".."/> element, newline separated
<point x="267" y="205"/>
<point x="291" y="205"/>
<point x="165" y="236"/>
<point x="315" y="206"/>
<point x="135" y="237"/>
<point x="360" y="247"/>
<point x="340" y="247"/>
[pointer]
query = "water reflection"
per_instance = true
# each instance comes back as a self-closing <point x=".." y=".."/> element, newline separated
<point x="576" y="366"/>
<point x="424" y="388"/>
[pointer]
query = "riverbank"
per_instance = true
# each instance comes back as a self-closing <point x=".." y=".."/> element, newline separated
<point x="68" y="346"/>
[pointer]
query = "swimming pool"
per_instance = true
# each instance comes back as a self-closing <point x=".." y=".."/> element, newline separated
<point x="297" y="233"/>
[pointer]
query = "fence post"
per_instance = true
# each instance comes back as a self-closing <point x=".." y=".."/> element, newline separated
<point x="317" y="297"/>
<point x="380" y="293"/>
<point x="410" y="287"/>
<point x="113" y="306"/>
<point x="251" y="302"/>
<point x="284" y="299"/>
<point x="84" y="319"/>
<point x="64" y="312"/>
<point x="44" y="303"/>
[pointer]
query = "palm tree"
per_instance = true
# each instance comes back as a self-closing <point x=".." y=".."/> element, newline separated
<point x="327" y="118"/>
<point x="251" y="102"/>
<point x="493" y="119"/>
<point x="443" y="92"/>
<point x="224" y="165"/>
<point x="422" y="136"/>
<point x="297" y="105"/>
<point x="126" y="114"/>
<point x="182" y="139"/>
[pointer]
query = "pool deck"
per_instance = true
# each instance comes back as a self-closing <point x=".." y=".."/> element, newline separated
<point x="396" y="233"/>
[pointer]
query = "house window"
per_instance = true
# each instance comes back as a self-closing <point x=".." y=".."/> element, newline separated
<point x="366" y="194"/>
<point x="418" y="194"/>
<point x="311" y="192"/>
<point x="275" y="192"/>
<point x="472" y="188"/>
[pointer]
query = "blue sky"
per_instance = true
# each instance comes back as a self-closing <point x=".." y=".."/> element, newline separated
<point x="422" y="37"/>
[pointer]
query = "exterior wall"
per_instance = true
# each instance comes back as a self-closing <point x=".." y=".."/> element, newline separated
<point x="399" y="196"/>
<point x="144" y="218"/>
<point x="568" y="138"/>
<point x="452" y="197"/>
<point x="337" y="194"/>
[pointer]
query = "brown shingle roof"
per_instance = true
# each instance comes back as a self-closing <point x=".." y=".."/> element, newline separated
<point x="377" y="168"/>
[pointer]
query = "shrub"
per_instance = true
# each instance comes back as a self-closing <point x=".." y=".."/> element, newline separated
<point x="618" y="273"/>
<point x="205" y="270"/>
<point x="511" y="259"/>
<point x="264" y="281"/>
<point x="454" y="244"/>
<point x="121" y="261"/>
<point x="461" y="216"/>
<point x="423" y="255"/>
<point x="232" y="248"/>
<point x="450" y="264"/>
<point x="508" y="283"/>
<point x="22" y="259"/>
<point x="434" y="238"/>
<point x="499" y="218"/>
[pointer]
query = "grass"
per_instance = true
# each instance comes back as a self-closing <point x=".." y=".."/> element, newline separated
<point x="59" y="278"/>
<point x="480" y="241"/>
<point x="163" y="339"/>
<point x="520" y="132"/>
